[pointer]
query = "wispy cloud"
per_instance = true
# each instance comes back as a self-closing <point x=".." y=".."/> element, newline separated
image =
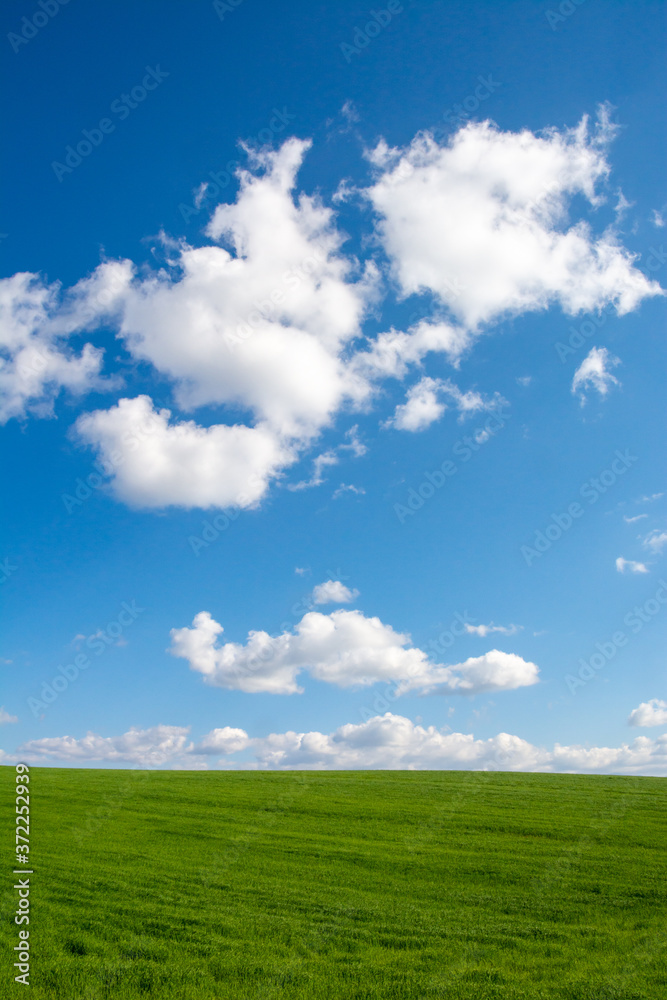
<point x="630" y="566"/>
<point x="483" y="630"/>
<point x="594" y="372"/>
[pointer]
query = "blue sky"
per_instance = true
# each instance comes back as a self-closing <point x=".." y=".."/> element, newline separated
<point x="460" y="215"/>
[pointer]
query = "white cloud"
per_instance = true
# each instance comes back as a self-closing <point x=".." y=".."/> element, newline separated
<point x="649" y="713"/>
<point x="37" y="357"/>
<point x="631" y="520"/>
<point x="484" y="630"/>
<point x="158" y="464"/>
<point x="222" y="741"/>
<point x="655" y="540"/>
<point x="333" y="592"/>
<point x="347" y="488"/>
<point x="260" y="325"/>
<point x="262" y="320"/>
<point x="629" y="565"/>
<point x="5" y="717"/>
<point x="524" y="380"/>
<point x="482" y="222"/>
<point x="148" y="747"/>
<point x="385" y="742"/>
<point x="395" y="742"/>
<point x="391" y="353"/>
<point x="594" y="373"/>
<point x="267" y="320"/>
<point x="421" y="407"/>
<point x="471" y="401"/>
<point x="342" y="648"/>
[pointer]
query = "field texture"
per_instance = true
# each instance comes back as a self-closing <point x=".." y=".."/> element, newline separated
<point x="342" y="885"/>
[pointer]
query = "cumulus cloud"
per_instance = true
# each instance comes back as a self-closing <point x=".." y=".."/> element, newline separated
<point x="6" y="718"/>
<point x="148" y="747"/>
<point x="394" y="742"/>
<point x="384" y="742"/>
<point x="333" y="592"/>
<point x="481" y="223"/>
<point x="156" y="463"/>
<point x="630" y="566"/>
<point x="342" y="648"/>
<point x="264" y="320"/>
<point x="484" y="630"/>
<point x="259" y="324"/>
<point x="222" y="741"/>
<point x="649" y="713"/>
<point x="594" y="373"/>
<point x="267" y="318"/>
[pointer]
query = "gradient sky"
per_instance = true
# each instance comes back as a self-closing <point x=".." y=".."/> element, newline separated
<point x="461" y="212"/>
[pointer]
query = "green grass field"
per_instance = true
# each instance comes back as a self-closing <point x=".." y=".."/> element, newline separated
<point x="349" y="885"/>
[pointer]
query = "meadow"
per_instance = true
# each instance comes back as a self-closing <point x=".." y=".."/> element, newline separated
<point x="415" y="885"/>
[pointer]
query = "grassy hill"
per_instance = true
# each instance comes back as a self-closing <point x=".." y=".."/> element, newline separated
<point x="350" y="885"/>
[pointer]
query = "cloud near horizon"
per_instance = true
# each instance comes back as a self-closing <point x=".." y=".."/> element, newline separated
<point x="383" y="742"/>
